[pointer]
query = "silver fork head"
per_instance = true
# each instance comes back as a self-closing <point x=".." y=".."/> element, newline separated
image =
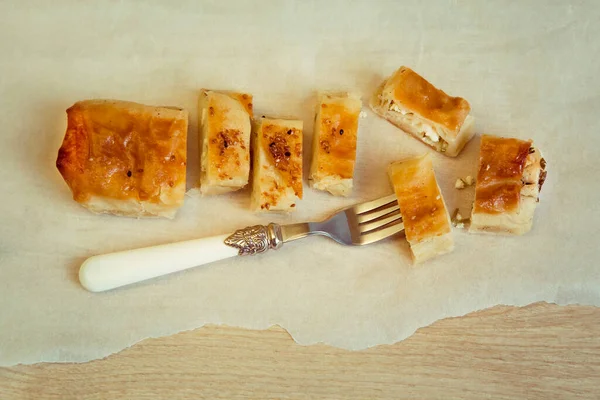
<point x="363" y="223"/>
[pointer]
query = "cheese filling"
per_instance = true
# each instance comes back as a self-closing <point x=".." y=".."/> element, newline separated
<point x="429" y="133"/>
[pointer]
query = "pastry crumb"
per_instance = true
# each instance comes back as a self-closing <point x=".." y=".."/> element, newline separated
<point x="458" y="221"/>
<point x="462" y="183"/>
<point x="362" y="114"/>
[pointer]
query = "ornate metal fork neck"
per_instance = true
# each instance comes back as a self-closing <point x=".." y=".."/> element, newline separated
<point x="259" y="238"/>
<point x="256" y="239"/>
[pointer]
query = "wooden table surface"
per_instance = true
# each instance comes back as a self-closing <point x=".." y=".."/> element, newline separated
<point x="541" y="351"/>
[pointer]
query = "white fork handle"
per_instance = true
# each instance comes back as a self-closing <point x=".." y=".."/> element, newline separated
<point x="109" y="271"/>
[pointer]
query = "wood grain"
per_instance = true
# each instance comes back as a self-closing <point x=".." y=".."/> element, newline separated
<point x="537" y="352"/>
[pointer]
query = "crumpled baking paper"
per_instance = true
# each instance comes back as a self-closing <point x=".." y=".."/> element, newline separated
<point x="529" y="70"/>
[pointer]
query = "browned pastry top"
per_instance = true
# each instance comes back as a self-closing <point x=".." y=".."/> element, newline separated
<point x="499" y="179"/>
<point x="336" y="151"/>
<point x="418" y="95"/>
<point x="228" y="145"/>
<point x="283" y="145"/>
<point x="423" y="211"/>
<point x="123" y="150"/>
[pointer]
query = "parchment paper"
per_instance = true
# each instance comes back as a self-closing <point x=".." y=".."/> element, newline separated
<point x="528" y="68"/>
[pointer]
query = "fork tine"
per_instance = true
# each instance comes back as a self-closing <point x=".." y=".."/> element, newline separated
<point x="369" y="216"/>
<point x="371" y="205"/>
<point x="377" y="235"/>
<point x="363" y="228"/>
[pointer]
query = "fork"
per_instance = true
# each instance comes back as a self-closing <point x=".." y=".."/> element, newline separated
<point x="357" y="225"/>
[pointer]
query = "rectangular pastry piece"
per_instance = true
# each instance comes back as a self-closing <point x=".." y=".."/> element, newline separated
<point x="334" y="143"/>
<point x="417" y="107"/>
<point x="425" y="217"/>
<point x="510" y="177"/>
<point x="125" y="158"/>
<point x="277" y="164"/>
<point x="225" y="127"/>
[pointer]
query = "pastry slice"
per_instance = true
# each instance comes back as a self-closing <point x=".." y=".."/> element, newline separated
<point x="277" y="164"/>
<point x="225" y="127"/>
<point x="125" y="158"/>
<point x="510" y="177"/>
<point x="417" y="107"/>
<point x="334" y="143"/>
<point x="426" y="220"/>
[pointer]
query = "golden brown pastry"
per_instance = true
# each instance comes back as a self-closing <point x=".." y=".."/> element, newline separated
<point x="125" y="158"/>
<point x="425" y="217"/>
<point x="511" y="174"/>
<point x="277" y="166"/>
<point x="225" y="127"/>
<point x="417" y="107"/>
<point x="334" y="143"/>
